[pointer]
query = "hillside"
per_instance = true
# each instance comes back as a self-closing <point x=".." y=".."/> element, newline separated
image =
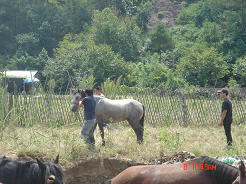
<point x="170" y="10"/>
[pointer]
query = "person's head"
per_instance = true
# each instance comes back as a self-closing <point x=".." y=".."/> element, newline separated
<point x="98" y="90"/>
<point x="223" y="93"/>
<point x="89" y="91"/>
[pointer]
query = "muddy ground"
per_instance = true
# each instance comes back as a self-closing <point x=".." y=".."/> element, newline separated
<point x="99" y="170"/>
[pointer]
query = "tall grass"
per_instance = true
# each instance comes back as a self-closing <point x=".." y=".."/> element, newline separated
<point x="45" y="141"/>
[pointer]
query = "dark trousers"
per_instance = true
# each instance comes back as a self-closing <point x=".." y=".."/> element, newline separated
<point x="227" y="128"/>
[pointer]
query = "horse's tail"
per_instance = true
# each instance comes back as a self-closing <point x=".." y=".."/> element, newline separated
<point x="108" y="182"/>
<point x="141" y="122"/>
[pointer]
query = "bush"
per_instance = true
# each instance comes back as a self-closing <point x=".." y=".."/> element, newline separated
<point x="160" y="15"/>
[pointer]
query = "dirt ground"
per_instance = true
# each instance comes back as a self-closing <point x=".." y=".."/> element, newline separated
<point x="99" y="170"/>
<point x="170" y="11"/>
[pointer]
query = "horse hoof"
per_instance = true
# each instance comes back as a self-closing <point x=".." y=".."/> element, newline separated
<point x="140" y="141"/>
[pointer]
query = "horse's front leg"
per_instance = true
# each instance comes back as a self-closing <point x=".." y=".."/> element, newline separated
<point x="100" y="124"/>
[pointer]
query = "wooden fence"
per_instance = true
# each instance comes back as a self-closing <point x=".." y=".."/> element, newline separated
<point x="162" y="107"/>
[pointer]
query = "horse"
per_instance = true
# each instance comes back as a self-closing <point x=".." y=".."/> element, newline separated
<point x="200" y="170"/>
<point x="113" y="111"/>
<point x="30" y="172"/>
<point x="241" y="179"/>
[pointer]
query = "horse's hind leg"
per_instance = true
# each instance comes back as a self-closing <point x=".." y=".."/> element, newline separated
<point x="140" y="134"/>
<point x="135" y="130"/>
<point x="91" y="135"/>
<point x="138" y="129"/>
<point x="100" y="124"/>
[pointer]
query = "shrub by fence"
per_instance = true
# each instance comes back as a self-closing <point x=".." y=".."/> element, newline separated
<point x="162" y="107"/>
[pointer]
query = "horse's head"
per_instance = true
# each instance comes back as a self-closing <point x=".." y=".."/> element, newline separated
<point x="52" y="172"/>
<point x="78" y="95"/>
<point x="241" y="179"/>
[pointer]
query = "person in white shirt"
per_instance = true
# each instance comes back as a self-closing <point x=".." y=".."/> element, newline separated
<point x="98" y="91"/>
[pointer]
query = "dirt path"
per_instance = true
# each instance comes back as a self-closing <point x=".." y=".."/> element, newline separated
<point x="170" y="10"/>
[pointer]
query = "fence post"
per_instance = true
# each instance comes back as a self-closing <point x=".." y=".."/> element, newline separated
<point x="184" y="109"/>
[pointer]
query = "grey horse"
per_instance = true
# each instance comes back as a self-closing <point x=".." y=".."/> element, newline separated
<point x="113" y="111"/>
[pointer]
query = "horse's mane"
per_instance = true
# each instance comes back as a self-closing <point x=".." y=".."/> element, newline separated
<point x="31" y="170"/>
<point x="224" y="173"/>
<point x="54" y="169"/>
<point x="77" y="91"/>
<point x="51" y="169"/>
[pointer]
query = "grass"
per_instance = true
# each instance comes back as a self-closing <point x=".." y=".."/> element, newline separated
<point x="46" y="142"/>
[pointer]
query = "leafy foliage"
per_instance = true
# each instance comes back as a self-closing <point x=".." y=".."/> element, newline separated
<point x="149" y="74"/>
<point x="122" y="36"/>
<point x="202" y="67"/>
<point x="239" y="70"/>
<point x="161" y="39"/>
<point x="109" y="38"/>
<point x="143" y="15"/>
<point x="77" y="57"/>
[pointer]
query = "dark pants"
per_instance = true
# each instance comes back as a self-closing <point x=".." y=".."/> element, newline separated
<point x="227" y="128"/>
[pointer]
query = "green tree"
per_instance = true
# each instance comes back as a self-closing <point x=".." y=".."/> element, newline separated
<point x="122" y="36"/>
<point x="77" y="56"/>
<point x="202" y="67"/>
<point x="239" y="71"/>
<point x="66" y="61"/>
<point x="161" y="39"/>
<point x="41" y="60"/>
<point x="45" y="37"/>
<point x="12" y="21"/>
<point x="105" y="27"/>
<point x="27" y="43"/>
<point x="125" y="7"/>
<point x="148" y="74"/>
<point x="211" y="34"/>
<point x="174" y="81"/>
<point x="234" y="42"/>
<point x="197" y="13"/>
<point x="143" y="14"/>
<point x="128" y="42"/>
<point x="76" y="14"/>
<point x="102" y="62"/>
<point x="24" y="62"/>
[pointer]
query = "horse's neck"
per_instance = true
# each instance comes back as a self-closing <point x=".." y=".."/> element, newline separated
<point x="97" y="98"/>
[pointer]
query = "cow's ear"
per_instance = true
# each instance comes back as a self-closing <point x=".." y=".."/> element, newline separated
<point x="41" y="165"/>
<point x="57" y="159"/>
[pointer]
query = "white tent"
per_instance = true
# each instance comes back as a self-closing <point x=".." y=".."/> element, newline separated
<point x="22" y="73"/>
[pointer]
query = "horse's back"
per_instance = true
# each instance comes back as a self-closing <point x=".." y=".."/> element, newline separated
<point x="161" y="174"/>
<point x="118" y="110"/>
<point x="9" y="170"/>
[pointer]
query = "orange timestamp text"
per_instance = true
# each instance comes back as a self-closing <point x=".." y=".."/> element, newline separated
<point x="205" y="167"/>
